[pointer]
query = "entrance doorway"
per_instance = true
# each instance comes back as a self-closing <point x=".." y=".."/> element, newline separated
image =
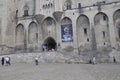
<point x="49" y="44"/>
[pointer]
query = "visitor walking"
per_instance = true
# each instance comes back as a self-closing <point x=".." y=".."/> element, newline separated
<point x="7" y="59"/>
<point x="114" y="59"/>
<point x="36" y="60"/>
<point x="2" y="61"/>
<point x="94" y="60"/>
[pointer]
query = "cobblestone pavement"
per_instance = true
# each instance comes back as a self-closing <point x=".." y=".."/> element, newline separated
<point x="57" y="71"/>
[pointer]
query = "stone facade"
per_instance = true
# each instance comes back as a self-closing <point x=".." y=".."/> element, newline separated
<point x="79" y="26"/>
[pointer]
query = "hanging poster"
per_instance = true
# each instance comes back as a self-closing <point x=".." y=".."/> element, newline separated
<point x="67" y="33"/>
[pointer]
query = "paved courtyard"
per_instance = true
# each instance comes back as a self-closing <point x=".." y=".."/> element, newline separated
<point x="58" y="71"/>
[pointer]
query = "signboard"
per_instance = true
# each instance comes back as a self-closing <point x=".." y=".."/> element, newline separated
<point x="66" y="33"/>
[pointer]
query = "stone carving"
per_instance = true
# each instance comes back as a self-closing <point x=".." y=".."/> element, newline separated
<point x="39" y="18"/>
<point x="57" y="15"/>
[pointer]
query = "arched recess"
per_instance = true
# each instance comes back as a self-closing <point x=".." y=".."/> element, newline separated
<point x="116" y="20"/>
<point x="66" y="30"/>
<point x="33" y="35"/>
<point x="102" y="31"/>
<point x="49" y="28"/>
<point x="83" y="33"/>
<point x="20" y="37"/>
<point x="49" y="44"/>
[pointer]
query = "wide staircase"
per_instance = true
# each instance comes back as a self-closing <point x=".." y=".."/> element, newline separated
<point x="64" y="57"/>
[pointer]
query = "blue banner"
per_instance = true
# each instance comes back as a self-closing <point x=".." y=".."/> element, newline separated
<point x="67" y="33"/>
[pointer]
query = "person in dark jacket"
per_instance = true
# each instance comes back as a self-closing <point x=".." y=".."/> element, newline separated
<point x="2" y="61"/>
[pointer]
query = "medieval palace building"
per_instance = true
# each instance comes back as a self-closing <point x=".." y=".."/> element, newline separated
<point x="72" y="25"/>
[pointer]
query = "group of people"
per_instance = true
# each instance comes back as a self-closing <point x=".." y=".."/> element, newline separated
<point x="5" y="61"/>
<point x="94" y="61"/>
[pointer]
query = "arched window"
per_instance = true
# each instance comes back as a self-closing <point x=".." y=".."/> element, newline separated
<point x="26" y="8"/>
<point x="68" y="4"/>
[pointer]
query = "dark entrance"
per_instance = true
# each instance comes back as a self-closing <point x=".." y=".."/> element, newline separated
<point x="50" y="43"/>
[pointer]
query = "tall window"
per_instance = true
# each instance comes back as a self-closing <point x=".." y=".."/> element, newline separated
<point x="26" y="8"/>
<point x="85" y="31"/>
<point x="103" y="34"/>
<point x="68" y="4"/>
<point x="25" y="12"/>
<point x="16" y="13"/>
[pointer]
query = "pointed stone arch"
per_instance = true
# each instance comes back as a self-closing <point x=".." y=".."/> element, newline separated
<point x="49" y="27"/>
<point x="116" y="20"/>
<point x="102" y="34"/>
<point x="83" y="32"/>
<point x="20" y="37"/>
<point x="32" y="35"/>
<point x="66" y="20"/>
<point x="66" y="30"/>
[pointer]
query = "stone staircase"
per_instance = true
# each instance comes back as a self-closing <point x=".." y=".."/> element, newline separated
<point x="48" y="57"/>
<point x="65" y="57"/>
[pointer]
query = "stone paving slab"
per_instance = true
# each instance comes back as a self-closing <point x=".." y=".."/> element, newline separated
<point x="55" y="71"/>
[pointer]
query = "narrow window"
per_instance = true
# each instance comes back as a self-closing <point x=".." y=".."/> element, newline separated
<point x="68" y="6"/>
<point x="16" y="13"/>
<point x="85" y="31"/>
<point x="26" y="8"/>
<point x="87" y="39"/>
<point x="25" y="12"/>
<point x="79" y="5"/>
<point x="119" y="32"/>
<point x="103" y="34"/>
<point x="104" y="43"/>
<point x="104" y="18"/>
<point x="36" y="35"/>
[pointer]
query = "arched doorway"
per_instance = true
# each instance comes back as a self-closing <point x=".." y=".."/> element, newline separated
<point x="49" y="44"/>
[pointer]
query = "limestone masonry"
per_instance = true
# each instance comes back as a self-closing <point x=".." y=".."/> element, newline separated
<point x="81" y="28"/>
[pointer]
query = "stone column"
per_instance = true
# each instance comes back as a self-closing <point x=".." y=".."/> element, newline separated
<point x="39" y="19"/>
<point x="94" y="46"/>
<point x="57" y="15"/>
<point x="25" y="40"/>
<point x="112" y="32"/>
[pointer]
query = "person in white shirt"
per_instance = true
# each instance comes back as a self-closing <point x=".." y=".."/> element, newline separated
<point x="7" y="59"/>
